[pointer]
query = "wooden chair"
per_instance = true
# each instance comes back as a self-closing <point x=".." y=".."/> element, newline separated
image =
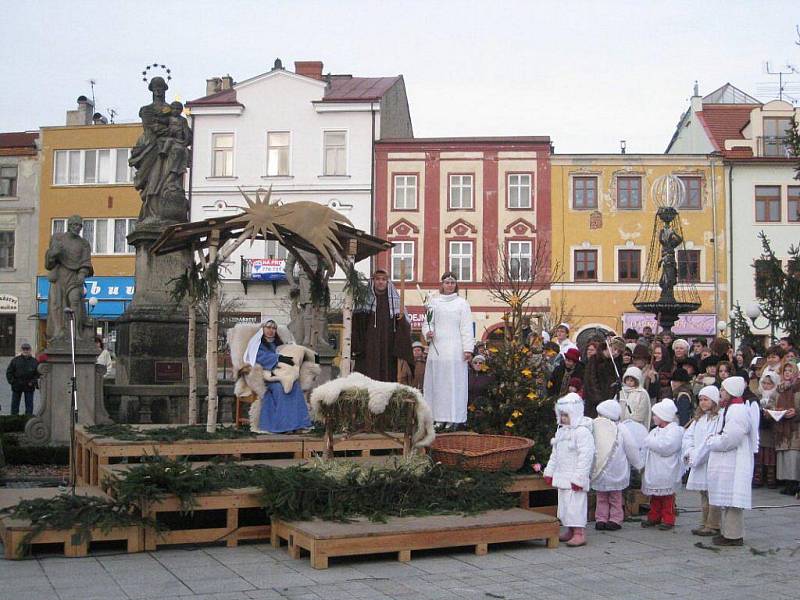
<point x="243" y="403"/>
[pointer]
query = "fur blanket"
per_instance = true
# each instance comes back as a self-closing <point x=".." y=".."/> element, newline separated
<point x="379" y="394"/>
<point x="251" y="379"/>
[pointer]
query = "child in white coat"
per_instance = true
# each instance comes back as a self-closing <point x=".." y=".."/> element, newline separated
<point x="662" y="466"/>
<point x="570" y="466"/>
<point x="695" y="456"/>
<point x="633" y="398"/>
<point x="730" y="464"/>
<point x="616" y="451"/>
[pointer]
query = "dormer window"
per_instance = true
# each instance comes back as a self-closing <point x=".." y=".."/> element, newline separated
<point x="776" y="136"/>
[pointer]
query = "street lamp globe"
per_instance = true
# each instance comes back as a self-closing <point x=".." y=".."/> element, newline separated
<point x="732" y="314"/>
<point x="753" y="311"/>
<point x="721" y="325"/>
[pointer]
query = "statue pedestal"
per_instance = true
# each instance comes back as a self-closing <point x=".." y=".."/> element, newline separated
<point x="51" y="424"/>
<point x="152" y="334"/>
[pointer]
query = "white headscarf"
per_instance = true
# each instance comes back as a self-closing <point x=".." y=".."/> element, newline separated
<point x="255" y="342"/>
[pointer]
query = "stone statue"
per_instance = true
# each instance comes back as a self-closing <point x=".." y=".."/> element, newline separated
<point x="69" y="262"/>
<point x="309" y="314"/>
<point x="669" y="240"/>
<point x="160" y="157"/>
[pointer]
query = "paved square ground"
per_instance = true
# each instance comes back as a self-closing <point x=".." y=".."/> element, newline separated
<point x="631" y="563"/>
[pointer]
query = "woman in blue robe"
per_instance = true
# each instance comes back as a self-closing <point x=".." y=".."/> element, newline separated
<point x="280" y="412"/>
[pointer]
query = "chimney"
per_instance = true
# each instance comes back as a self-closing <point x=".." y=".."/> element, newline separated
<point x="227" y="82"/>
<point x="213" y="85"/>
<point x="99" y="119"/>
<point x="309" y="68"/>
<point x="81" y="115"/>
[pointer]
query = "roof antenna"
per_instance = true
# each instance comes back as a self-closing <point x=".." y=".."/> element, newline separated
<point x="92" y="83"/>
<point x="780" y="75"/>
<point x="696" y="88"/>
<point x="112" y="112"/>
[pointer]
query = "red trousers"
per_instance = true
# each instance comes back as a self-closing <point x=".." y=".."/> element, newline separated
<point x="662" y="509"/>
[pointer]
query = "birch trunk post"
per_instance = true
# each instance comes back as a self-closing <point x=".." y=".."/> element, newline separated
<point x="211" y="336"/>
<point x="191" y="347"/>
<point x="400" y="361"/>
<point x="345" y="364"/>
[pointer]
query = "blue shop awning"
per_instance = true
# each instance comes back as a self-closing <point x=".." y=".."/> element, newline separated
<point x="113" y="295"/>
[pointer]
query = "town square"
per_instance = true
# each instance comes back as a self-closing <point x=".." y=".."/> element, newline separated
<point x="401" y="300"/>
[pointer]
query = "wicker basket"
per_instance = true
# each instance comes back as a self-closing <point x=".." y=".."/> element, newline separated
<point x="482" y="452"/>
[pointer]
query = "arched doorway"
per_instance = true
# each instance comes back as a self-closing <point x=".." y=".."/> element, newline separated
<point x="591" y="332"/>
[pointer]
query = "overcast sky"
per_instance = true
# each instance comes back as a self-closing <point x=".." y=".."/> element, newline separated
<point x="585" y="73"/>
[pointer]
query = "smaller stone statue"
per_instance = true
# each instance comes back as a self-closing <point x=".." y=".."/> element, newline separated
<point x="69" y="262"/>
<point x="309" y="319"/>
<point x="669" y="240"/>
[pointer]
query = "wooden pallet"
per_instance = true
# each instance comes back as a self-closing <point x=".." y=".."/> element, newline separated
<point x="363" y="443"/>
<point x="12" y="531"/>
<point x="93" y="452"/>
<point x="325" y="539"/>
<point x="529" y="487"/>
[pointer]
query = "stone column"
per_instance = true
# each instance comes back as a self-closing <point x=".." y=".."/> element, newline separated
<point x="153" y="329"/>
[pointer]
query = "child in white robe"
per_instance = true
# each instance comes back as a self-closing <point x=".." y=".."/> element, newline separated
<point x="662" y="466"/>
<point x="616" y="451"/>
<point x="730" y="464"/>
<point x="695" y="456"/>
<point x="570" y="466"/>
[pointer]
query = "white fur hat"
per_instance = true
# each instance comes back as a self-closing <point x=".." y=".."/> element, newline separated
<point x="735" y="386"/>
<point x="609" y="409"/>
<point x="665" y="410"/>
<point x="564" y="325"/>
<point x="711" y="392"/>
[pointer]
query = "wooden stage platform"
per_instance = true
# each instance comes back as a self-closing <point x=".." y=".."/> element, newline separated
<point x="402" y="535"/>
<point x="94" y="451"/>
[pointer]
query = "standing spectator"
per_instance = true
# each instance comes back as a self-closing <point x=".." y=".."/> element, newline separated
<point x="682" y="395"/>
<point x="418" y="349"/>
<point x="562" y="338"/>
<point x="785" y="343"/>
<point x="601" y="379"/>
<point x="787" y="430"/>
<point x="680" y="351"/>
<point x="23" y="377"/>
<point x="708" y="370"/>
<point x="766" y="459"/>
<point x="657" y="376"/>
<point x="571" y="367"/>
<point x="641" y="357"/>
<point x="104" y="356"/>
<point x="631" y="336"/>
<point x="720" y="348"/>
<point x="774" y="357"/>
<point x="730" y="464"/>
<point x="478" y="383"/>
<point x="698" y="344"/>
<point x="647" y="335"/>
<point x="667" y="338"/>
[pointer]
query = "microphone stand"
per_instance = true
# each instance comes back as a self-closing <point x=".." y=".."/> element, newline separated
<point x="74" y="400"/>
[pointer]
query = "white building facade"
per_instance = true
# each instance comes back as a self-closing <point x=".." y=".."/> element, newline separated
<point x="762" y="193"/>
<point x="305" y="135"/>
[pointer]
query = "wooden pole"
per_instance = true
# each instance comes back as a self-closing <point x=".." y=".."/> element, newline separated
<point x="191" y="348"/>
<point x="345" y="364"/>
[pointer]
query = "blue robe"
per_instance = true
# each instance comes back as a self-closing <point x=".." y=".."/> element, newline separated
<point x="280" y="412"/>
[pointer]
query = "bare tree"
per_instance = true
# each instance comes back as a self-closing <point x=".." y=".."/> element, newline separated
<point x="515" y="280"/>
<point x="559" y="313"/>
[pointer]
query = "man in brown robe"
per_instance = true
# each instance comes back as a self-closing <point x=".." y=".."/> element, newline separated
<point x="381" y="332"/>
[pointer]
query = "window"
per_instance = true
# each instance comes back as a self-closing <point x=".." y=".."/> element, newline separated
<point x="629" y="265"/>
<point x="584" y="193"/>
<point x="222" y="152"/>
<point x="692" y="193"/>
<point x="403" y="254"/>
<point x="460" y="191"/>
<point x="8" y="181"/>
<point x="585" y="265"/>
<point x="688" y="265"/>
<point x="768" y="203"/>
<point x="405" y="192"/>
<point x="91" y="167"/>
<point x="106" y="236"/>
<point x="629" y="192"/>
<point x="277" y="153"/>
<point x="461" y="260"/>
<point x="275" y="250"/>
<point x="519" y="191"/>
<point x="7" y="249"/>
<point x="335" y="143"/>
<point x="519" y="254"/>
<point x="776" y="136"/>
<point x="793" y="203"/>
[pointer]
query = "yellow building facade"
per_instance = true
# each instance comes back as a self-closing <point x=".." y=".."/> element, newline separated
<point x="603" y="212"/>
<point x="85" y="171"/>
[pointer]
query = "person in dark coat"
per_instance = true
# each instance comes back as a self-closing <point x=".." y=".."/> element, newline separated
<point x="682" y="395"/>
<point x="571" y="366"/>
<point x="23" y="377"/>
<point x="381" y="332"/>
<point x="602" y="376"/>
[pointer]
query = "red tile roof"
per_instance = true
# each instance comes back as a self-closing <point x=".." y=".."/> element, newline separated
<point x="341" y="88"/>
<point x="725" y="122"/>
<point x="18" y="139"/>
